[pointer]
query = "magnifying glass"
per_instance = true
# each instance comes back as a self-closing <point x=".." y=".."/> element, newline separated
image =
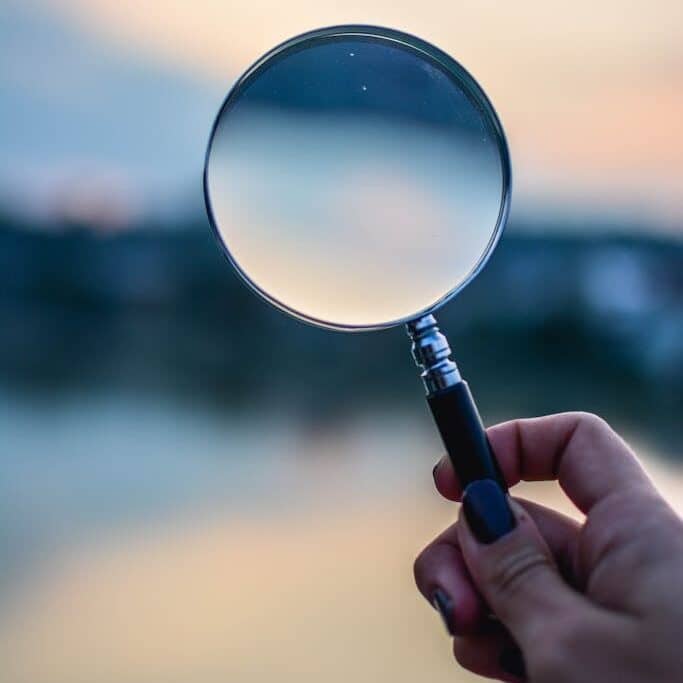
<point x="358" y="178"/>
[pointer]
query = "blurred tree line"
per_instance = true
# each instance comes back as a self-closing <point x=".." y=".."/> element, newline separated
<point x="557" y="321"/>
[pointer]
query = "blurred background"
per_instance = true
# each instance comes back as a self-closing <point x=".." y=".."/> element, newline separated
<point x="166" y="513"/>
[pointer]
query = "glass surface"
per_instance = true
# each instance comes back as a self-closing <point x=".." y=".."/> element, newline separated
<point x="356" y="180"/>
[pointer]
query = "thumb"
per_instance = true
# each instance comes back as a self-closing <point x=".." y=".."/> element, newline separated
<point x="511" y="564"/>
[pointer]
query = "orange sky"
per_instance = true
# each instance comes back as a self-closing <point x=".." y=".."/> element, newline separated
<point x="590" y="93"/>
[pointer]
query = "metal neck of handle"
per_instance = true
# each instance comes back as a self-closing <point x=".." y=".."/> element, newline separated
<point x="432" y="353"/>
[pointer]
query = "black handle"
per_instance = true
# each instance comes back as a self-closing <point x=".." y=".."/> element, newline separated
<point x="463" y="435"/>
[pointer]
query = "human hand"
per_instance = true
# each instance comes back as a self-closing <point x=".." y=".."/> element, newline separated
<point x="595" y="601"/>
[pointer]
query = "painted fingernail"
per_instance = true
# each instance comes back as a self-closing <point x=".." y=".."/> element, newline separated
<point x="511" y="660"/>
<point x="434" y="469"/>
<point x="487" y="510"/>
<point x="444" y="606"/>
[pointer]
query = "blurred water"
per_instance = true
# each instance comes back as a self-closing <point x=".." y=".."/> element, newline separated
<point x="78" y="471"/>
<point x="143" y="541"/>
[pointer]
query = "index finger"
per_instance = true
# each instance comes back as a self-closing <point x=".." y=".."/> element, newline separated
<point x="580" y="450"/>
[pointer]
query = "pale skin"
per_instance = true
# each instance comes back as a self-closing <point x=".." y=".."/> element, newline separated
<point x="600" y="600"/>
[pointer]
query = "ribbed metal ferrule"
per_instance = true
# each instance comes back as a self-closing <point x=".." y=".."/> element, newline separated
<point x="432" y="353"/>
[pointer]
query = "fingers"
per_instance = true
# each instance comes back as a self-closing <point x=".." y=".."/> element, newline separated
<point x="441" y="567"/>
<point x="443" y="579"/>
<point x="561" y="534"/>
<point x="512" y="565"/>
<point x="493" y="655"/>
<point x="579" y="449"/>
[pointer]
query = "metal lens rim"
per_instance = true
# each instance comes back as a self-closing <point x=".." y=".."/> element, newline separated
<point x="456" y="71"/>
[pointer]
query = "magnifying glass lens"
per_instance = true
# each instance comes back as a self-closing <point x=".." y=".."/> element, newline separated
<point x="356" y="180"/>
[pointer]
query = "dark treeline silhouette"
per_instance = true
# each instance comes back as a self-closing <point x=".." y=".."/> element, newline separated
<point x="556" y="321"/>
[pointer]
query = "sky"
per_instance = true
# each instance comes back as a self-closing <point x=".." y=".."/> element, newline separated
<point x="107" y="104"/>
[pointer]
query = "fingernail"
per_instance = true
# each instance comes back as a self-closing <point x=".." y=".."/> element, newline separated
<point x="444" y="606"/>
<point x="434" y="469"/>
<point x="512" y="661"/>
<point x="487" y="510"/>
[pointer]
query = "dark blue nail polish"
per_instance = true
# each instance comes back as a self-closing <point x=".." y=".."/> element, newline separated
<point x="487" y="510"/>
<point x="444" y="606"/>
<point x="511" y="660"/>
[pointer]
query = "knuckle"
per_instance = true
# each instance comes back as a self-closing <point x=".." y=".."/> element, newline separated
<point x="459" y="652"/>
<point x="516" y="569"/>
<point x="419" y="565"/>
<point x="462" y="653"/>
<point x="592" y="423"/>
<point x="426" y="562"/>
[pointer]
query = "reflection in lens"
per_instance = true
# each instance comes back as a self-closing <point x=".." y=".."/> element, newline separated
<point x="354" y="180"/>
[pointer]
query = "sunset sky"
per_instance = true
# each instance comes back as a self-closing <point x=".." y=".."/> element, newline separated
<point x="117" y="96"/>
